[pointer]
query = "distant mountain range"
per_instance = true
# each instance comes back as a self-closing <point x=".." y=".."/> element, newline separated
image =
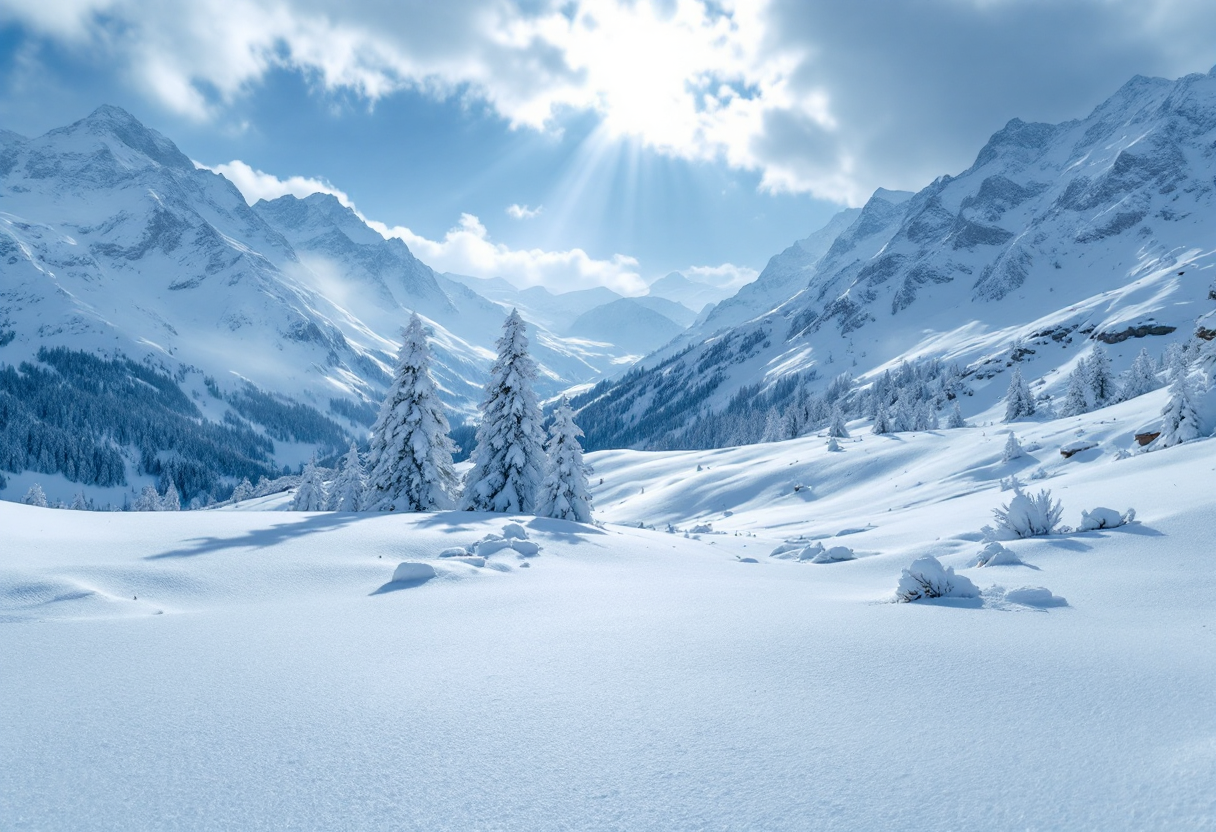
<point x="1058" y="236"/>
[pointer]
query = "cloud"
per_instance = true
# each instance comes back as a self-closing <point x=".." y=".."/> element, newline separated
<point x="827" y="98"/>
<point x="466" y="248"/>
<point x="255" y="184"/>
<point x="725" y="276"/>
<point x="523" y="212"/>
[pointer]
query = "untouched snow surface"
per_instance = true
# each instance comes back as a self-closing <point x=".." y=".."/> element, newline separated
<point x="261" y="670"/>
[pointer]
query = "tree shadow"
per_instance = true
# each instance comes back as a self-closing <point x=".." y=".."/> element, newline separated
<point x="1071" y="545"/>
<point x="262" y="538"/>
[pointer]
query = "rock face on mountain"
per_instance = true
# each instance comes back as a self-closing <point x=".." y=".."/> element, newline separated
<point x="1056" y="235"/>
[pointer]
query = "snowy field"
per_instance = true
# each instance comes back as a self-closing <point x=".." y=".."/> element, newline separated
<point x="258" y="669"/>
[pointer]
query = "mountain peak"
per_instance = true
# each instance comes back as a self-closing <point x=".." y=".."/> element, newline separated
<point x="109" y="121"/>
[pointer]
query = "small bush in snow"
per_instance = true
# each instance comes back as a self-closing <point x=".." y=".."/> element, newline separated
<point x="994" y="554"/>
<point x="1105" y="518"/>
<point x="927" y="578"/>
<point x="1027" y="516"/>
<point x="1011" y="483"/>
<point x="1013" y="448"/>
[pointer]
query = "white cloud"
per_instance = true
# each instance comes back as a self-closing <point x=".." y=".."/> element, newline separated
<point x="828" y="98"/>
<point x="523" y="212"/>
<point x="255" y="184"/>
<point x="725" y="276"/>
<point x="464" y="249"/>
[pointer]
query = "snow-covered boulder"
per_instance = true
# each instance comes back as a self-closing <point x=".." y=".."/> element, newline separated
<point x="927" y="578"/>
<point x="1104" y="518"/>
<point x="412" y="571"/>
<point x="994" y="554"/>
<point x="525" y="547"/>
<point x="514" y="531"/>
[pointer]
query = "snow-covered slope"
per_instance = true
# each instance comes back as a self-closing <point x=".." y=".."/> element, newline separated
<point x="222" y="669"/>
<point x="1058" y="235"/>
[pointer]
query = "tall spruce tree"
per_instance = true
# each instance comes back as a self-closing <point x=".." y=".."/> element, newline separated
<point x="1102" y="384"/>
<point x="1019" y="404"/>
<point x="346" y="494"/>
<point x="1076" y="400"/>
<point x="508" y="462"/>
<point x="1180" y="420"/>
<point x="409" y="461"/>
<point x="564" y="494"/>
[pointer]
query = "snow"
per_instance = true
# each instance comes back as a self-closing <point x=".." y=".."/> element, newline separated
<point x="246" y="669"/>
<point x="410" y="572"/>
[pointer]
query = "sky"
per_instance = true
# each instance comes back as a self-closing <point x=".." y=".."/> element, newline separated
<point x="572" y="143"/>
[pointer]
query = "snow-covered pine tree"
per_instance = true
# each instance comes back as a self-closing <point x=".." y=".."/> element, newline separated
<point x="1180" y="420"/>
<point x="79" y="503"/>
<point x="508" y="462"/>
<point x="148" y="500"/>
<point x="172" y="501"/>
<point x="347" y="491"/>
<point x="243" y="491"/>
<point x="35" y="496"/>
<point x="837" y="429"/>
<point x="882" y="422"/>
<point x="564" y="493"/>
<point x="1019" y="404"/>
<point x="922" y="416"/>
<point x="903" y="418"/>
<point x="1140" y="378"/>
<point x="409" y="461"/>
<point x="774" y="427"/>
<point x="833" y="445"/>
<point x="1102" y="385"/>
<point x="310" y="496"/>
<point x="1076" y="400"/>
<point x="1013" y="448"/>
<point x="956" y="419"/>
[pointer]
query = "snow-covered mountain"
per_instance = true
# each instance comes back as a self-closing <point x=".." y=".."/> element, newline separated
<point x="694" y="294"/>
<point x="1058" y="236"/>
<point x="114" y="244"/>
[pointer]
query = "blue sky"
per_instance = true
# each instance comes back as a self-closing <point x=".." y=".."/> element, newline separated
<point x="632" y="137"/>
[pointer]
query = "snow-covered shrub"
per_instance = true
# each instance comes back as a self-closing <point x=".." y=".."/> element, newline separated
<point x="1027" y="515"/>
<point x="994" y="554"/>
<point x="833" y="446"/>
<point x="927" y="578"/>
<point x="1105" y="518"/>
<point x="1011" y="483"/>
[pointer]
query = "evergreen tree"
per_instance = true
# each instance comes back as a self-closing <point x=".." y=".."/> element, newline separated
<point x="1180" y="420"/>
<point x="931" y="421"/>
<point x="1076" y="401"/>
<point x="904" y="419"/>
<point x="172" y="501"/>
<point x="1019" y="404"/>
<point x="774" y="427"/>
<point x="346" y="494"/>
<point x="509" y="458"/>
<point x="148" y="500"/>
<point x="310" y="496"/>
<point x="1141" y="377"/>
<point x="837" y="428"/>
<point x="410" y="458"/>
<point x="243" y="491"/>
<point x="1101" y="380"/>
<point x="956" y="419"/>
<point x="35" y="496"/>
<point x="564" y="493"/>
<point x="882" y="422"/>
<point x="1013" y="448"/>
<point x="833" y="445"/>
<point x="79" y="503"/>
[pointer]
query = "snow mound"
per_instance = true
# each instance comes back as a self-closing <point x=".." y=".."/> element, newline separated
<point x="410" y="571"/>
<point x="836" y="554"/>
<point x="525" y="547"/>
<point x="1104" y="518"/>
<point x="1034" y="596"/>
<point x="489" y="544"/>
<point x="994" y="554"/>
<point x="748" y="560"/>
<point x="927" y="578"/>
<point x="40" y="599"/>
<point x="454" y="552"/>
<point x="514" y="531"/>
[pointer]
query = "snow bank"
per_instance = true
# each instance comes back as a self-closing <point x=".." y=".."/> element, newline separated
<point x="927" y="578"/>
